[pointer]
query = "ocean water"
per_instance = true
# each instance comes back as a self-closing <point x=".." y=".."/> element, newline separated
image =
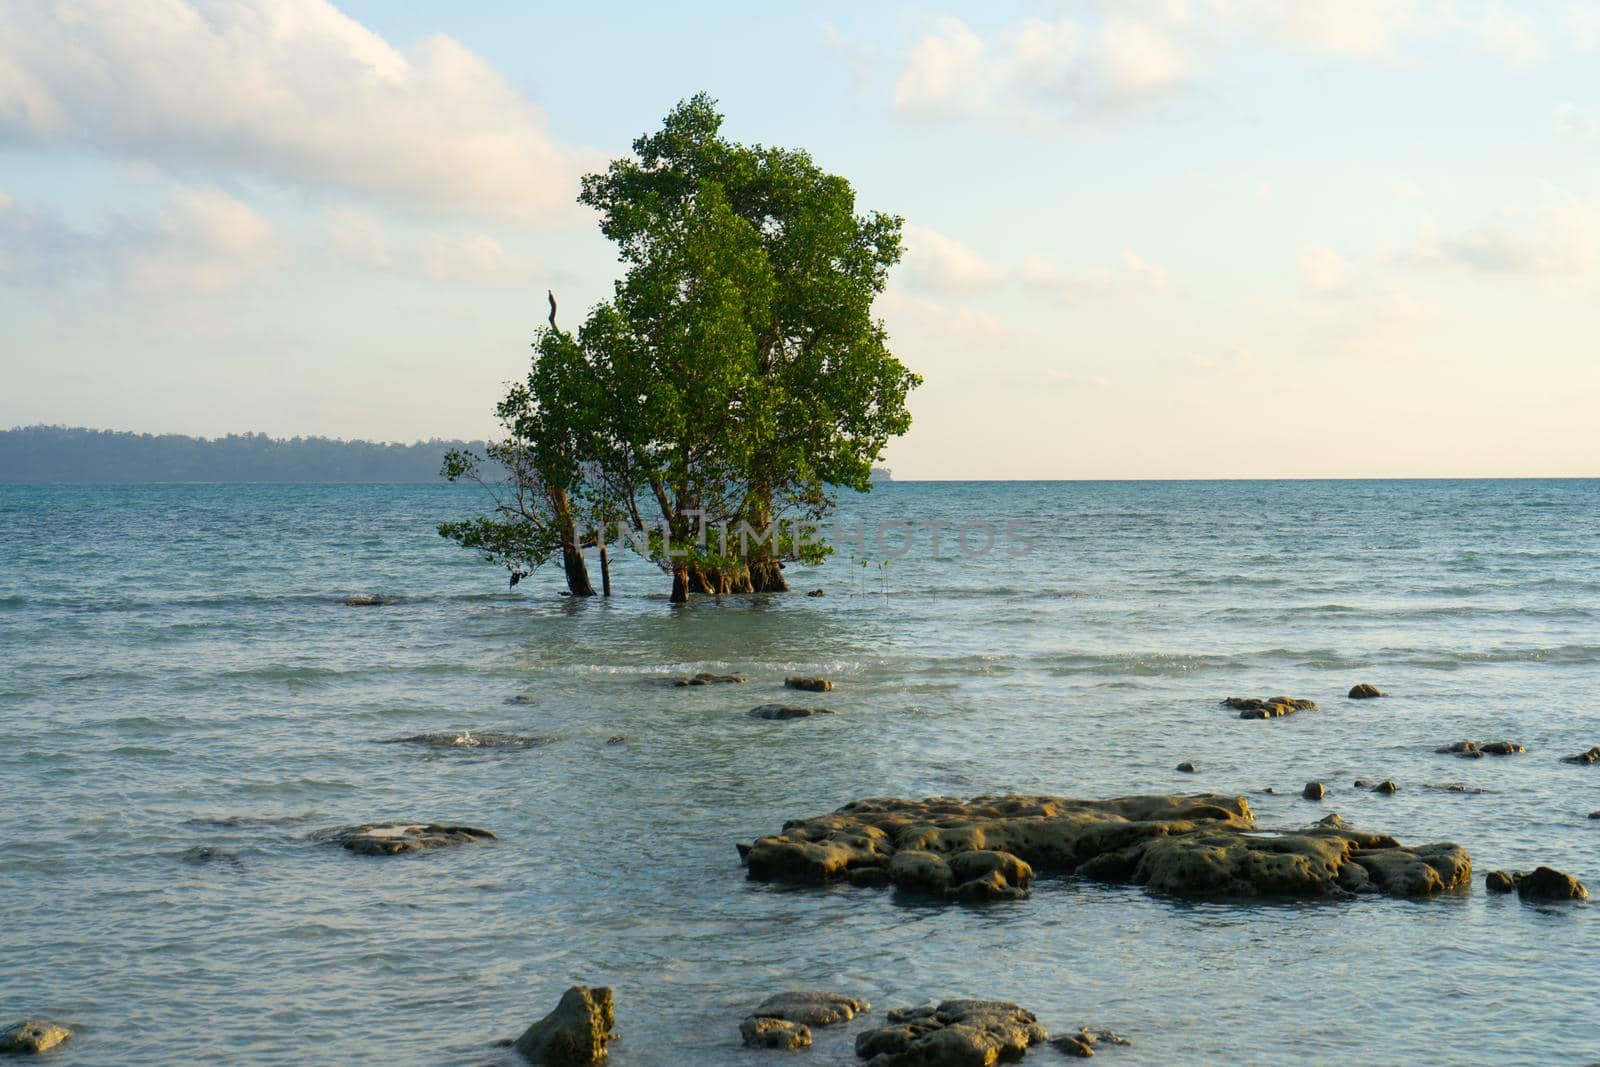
<point x="179" y="673"/>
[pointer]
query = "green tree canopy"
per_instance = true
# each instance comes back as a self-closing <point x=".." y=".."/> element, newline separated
<point x="737" y="374"/>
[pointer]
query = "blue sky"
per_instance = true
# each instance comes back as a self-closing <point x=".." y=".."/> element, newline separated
<point x="1231" y="238"/>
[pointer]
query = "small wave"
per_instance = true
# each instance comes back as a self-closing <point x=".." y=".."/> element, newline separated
<point x="11" y="602"/>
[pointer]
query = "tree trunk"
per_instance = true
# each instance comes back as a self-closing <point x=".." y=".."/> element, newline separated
<point x="605" y="568"/>
<point x="571" y="555"/>
<point x="766" y="573"/>
<point x="766" y="576"/>
<point x="680" y="584"/>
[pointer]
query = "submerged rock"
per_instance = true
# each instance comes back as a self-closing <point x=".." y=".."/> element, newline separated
<point x="1364" y="692"/>
<point x="811" y="1007"/>
<point x="707" y="678"/>
<point x="393" y="838"/>
<point x="615" y="740"/>
<point x="372" y="601"/>
<point x="1314" y="791"/>
<point x="1186" y="767"/>
<point x="759" y="1031"/>
<point x="1475" y="750"/>
<point x="810" y="685"/>
<point x="817" y="592"/>
<point x="1268" y="707"/>
<point x="1082" y="1043"/>
<point x="202" y="855"/>
<point x="468" y="739"/>
<point x="953" y="1033"/>
<point x="1591" y="756"/>
<point x="32" y="1036"/>
<point x="786" y="711"/>
<point x="990" y="848"/>
<point x="575" y="1034"/>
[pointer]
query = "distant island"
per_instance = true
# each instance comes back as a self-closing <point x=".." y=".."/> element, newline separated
<point x="55" y="454"/>
<point x="45" y="455"/>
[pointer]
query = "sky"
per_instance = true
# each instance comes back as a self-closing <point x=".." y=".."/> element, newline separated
<point x="1174" y="238"/>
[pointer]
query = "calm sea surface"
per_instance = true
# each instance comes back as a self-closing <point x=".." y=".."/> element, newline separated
<point x="177" y="671"/>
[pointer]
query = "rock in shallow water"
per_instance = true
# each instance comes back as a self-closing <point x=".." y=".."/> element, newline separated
<point x="372" y="601"/>
<point x="1591" y="756"/>
<point x="1267" y="708"/>
<point x="954" y="1033"/>
<point x="786" y="711"/>
<point x="707" y="678"/>
<point x="1083" y="1042"/>
<point x="32" y="1036"/>
<point x="811" y="1007"/>
<point x="1187" y="767"/>
<point x="759" y="1031"/>
<point x="990" y="847"/>
<point x="810" y="685"/>
<point x="1475" y="750"/>
<point x="393" y="838"/>
<point x="1542" y="883"/>
<point x="575" y="1034"/>
<point x="1314" y="791"/>
<point x="1364" y="692"/>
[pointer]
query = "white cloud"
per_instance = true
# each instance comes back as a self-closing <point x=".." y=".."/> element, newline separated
<point x="1350" y="28"/>
<point x="945" y="74"/>
<point x="1583" y="25"/>
<point x="935" y="322"/>
<point x="202" y="241"/>
<point x="205" y="241"/>
<point x="471" y="258"/>
<point x="475" y="258"/>
<point x="290" y="89"/>
<point x="938" y="263"/>
<point x="1133" y="55"/>
<point x="1133" y="277"/>
<point x="1558" y="240"/>
<point x="1324" y="272"/>
<point x="1509" y="37"/>
<point x="1123" y="63"/>
<point x="359" y="238"/>
<point x="1573" y="121"/>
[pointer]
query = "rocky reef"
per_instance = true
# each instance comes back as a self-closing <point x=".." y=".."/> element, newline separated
<point x="990" y="848"/>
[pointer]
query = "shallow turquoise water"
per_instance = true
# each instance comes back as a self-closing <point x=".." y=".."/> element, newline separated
<point x="178" y="655"/>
